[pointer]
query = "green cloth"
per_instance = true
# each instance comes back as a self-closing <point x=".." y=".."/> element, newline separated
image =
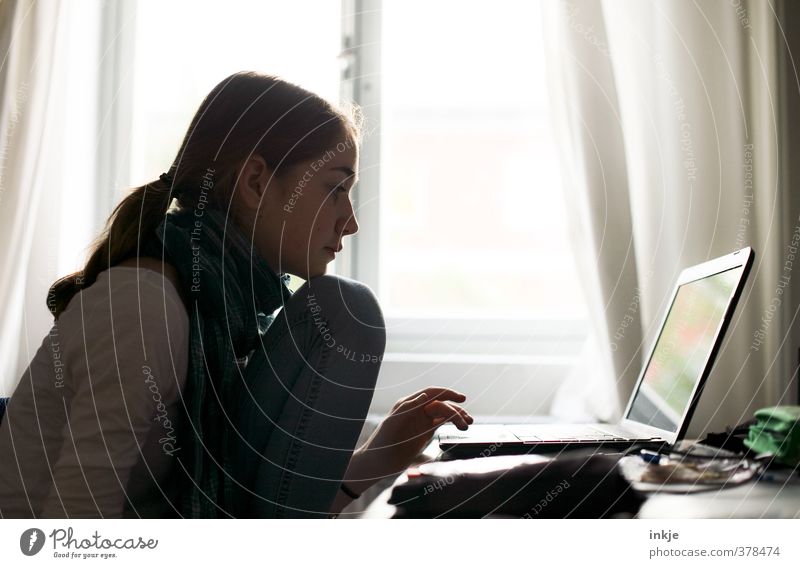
<point x="777" y="431"/>
<point x="232" y="295"/>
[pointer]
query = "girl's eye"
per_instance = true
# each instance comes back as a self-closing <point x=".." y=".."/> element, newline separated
<point x="339" y="189"/>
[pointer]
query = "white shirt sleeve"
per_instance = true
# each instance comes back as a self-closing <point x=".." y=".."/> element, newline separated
<point x="127" y="364"/>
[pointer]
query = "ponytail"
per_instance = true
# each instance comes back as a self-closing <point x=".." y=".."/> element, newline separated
<point x="133" y="221"/>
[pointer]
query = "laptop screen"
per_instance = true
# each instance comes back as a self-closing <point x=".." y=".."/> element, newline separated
<point x="682" y="349"/>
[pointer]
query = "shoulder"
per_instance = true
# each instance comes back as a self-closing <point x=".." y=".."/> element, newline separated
<point x="155" y="265"/>
<point x="130" y="316"/>
<point x="145" y="263"/>
<point x="145" y="287"/>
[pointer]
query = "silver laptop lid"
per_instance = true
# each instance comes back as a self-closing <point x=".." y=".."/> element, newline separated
<point x="681" y="358"/>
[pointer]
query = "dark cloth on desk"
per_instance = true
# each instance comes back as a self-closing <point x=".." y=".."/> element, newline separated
<point x="574" y="485"/>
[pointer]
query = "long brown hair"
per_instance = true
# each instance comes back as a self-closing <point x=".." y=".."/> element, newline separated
<point x="247" y="113"/>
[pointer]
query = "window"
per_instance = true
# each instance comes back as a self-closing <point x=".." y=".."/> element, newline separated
<point x="472" y="218"/>
<point x="463" y="222"/>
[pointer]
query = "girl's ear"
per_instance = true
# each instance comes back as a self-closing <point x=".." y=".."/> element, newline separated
<point x="251" y="182"/>
<point x="251" y="186"/>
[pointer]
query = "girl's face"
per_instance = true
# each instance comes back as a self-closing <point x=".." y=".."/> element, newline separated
<point x="300" y="217"/>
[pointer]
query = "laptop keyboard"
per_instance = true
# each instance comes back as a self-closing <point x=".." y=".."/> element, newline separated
<point x="565" y="433"/>
<point x="544" y="433"/>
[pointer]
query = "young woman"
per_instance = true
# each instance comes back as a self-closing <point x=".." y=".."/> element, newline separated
<point x="181" y="376"/>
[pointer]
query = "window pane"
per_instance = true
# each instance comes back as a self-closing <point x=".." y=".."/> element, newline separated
<point x="473" y="220"/>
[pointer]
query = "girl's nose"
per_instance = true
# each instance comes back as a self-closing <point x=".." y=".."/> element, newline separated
<point x="347" y="225"/>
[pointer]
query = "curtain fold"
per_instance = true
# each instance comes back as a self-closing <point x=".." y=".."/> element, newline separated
<point x="47" y="170"/>
<point x="28" y="75"/>
<point x="677" y="106"/>
<point x="589" y="133"/>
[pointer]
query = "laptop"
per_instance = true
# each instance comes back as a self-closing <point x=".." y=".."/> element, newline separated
<point x="669" y="385"/>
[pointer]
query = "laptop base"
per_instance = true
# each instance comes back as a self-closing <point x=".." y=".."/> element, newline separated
<point x="467" y="450"/>
<point x="484" y="440"/>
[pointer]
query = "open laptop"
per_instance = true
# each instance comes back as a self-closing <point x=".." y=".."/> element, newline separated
<point x="669" y="385"/>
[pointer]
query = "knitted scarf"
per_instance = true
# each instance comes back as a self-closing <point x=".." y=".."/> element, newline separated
<point x="232" y="295"/>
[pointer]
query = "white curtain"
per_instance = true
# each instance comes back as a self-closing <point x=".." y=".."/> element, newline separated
<point x="47" y="113"/>
<point x="669" y="120"/>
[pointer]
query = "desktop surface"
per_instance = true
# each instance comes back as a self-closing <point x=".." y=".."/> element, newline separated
<point x="775" y="499"/>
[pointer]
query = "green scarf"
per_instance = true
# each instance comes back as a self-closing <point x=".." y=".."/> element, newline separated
<point x="232" y="295"/>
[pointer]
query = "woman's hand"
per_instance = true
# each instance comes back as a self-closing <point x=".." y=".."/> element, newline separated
<point x="410" y="425"/>
<point x="401" y="437"/>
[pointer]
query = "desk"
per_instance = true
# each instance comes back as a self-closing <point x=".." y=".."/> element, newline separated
<point x="756" y="500"/>
<point x="753" y="500"/>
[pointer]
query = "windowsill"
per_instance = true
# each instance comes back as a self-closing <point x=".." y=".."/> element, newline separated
<point x="373" y="419"/>
<point x="478" y="359"/>
<point x="496" y="384"/>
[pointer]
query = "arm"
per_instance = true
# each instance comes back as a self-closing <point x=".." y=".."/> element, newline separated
<point x="400" y="438"/>
<point x="127" y="364"/>
<point x="362" y="473"/>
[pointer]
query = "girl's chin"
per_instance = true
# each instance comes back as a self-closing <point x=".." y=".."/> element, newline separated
<point x="314" y="271"/>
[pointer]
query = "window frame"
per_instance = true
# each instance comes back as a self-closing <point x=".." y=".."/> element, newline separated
<point x="361" y="83"/>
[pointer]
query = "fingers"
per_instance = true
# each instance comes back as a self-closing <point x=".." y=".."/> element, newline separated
<point x="412" y="402"/>
<point x="437" y="393"/>
<point x="442" y="393"/>
<point x="414" y="398"/>
<point x="432" y="393"/>
<point x="438" y="403"/>
<point x="441" y="411"/>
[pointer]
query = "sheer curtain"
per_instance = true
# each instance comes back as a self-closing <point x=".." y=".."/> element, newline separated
<point x="46" y="178"/>
<point x="670" y="123"/>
